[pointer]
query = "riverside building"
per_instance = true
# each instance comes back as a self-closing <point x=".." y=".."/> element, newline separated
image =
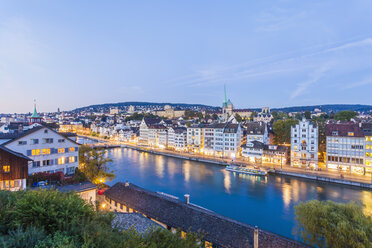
<point x="304" y="145"/>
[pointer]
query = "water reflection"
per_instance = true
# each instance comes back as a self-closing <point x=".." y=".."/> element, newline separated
<point x="267" y="202"/>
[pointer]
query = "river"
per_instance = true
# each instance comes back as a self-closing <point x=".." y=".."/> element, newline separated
<point x="267" y="202"/>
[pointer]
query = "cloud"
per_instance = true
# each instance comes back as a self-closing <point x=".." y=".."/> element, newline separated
<point x="354" y="44"/>
<point x="314" y="78"/>
<point x="363" y="82"/>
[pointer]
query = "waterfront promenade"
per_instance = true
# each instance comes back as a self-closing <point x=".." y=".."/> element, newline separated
<point x="323" y="175"/>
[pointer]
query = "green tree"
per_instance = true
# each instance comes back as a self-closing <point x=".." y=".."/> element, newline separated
<point x="238" y="118"/>
<point x="93" y="164"/>
<point x="282" y="130"/>
<point x="252" y="115"/>
<point x="215" y="116"/>
<point x="330" y="224"/>
<point x="307" y="115"/>
<point x="345" y="115"/>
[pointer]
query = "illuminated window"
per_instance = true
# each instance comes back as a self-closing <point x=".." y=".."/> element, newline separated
<point x="367" y="146"/>
<point x="71" y="149"/>
<point x="350" y="133"/>
<point x="61" y="160"/>
<point x="71" y="159"/>
<point x="35" y="152"/>
<point x="46" y="151"/>
<point x="61" y="150"/>
<point x="367" y="154"/>
<point x="6" y="168"/>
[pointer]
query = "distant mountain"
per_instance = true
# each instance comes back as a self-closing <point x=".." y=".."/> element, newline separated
<point x="122" y="105"/>
<point x="327" y="108"/>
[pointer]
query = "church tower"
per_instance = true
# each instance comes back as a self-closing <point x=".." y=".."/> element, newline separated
<point x="35" y="117"/>
<point x="227" y="107"/>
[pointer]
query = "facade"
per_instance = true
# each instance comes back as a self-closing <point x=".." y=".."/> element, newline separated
<point x="346" y="147"/>
<point x="258" y="152"/>
<point x="223" y="139"/>
<point x="71" y="127"/>
<point x="257" y="131"/>
<point x="195" y="138"/>
<point x="144" y="128"/>
<point x="253" y="151"/>
<point x="367" y="131"/>
<point x="158" y="136"/>
<point x="13" y="170"/>
<point x="304" y="145"/>
<point x="264" y="115"/>
<point x="170" y="112"/>
<point x="49" y="150"/>
<point x="177" y="138"/>
<point x="86" y="190"/>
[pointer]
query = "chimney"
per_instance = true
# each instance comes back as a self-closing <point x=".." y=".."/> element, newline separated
<point x="187" y="198"/>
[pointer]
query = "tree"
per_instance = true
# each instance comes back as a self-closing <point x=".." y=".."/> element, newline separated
<point x="330" y="224"/>
<point x="345" y="115"/>
<point x="215" y="116"/>
<point x="238" y="118"/>
<point x="94" y="164"/>
<point x="282" y="130"/>
<point x="307" y="115"/>
<point x="253" y="114"/>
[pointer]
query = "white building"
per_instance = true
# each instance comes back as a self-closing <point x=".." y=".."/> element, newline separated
<point x="177" y="138"/>
<point x="264" y="115"/>
<point x="144" y="128"/>
<point x="345" y="147"/>
<point x="157" y="136"/>
<point x="223" y="139"/>
<point x="49" y="150"/>
<point x="195" y="138"/>
<point x="257" y="131"/>
<point x="304" y="145"/>
<point x="253" y="151"/>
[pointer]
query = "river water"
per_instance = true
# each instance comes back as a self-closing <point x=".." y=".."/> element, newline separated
<point x="267" y="202"/>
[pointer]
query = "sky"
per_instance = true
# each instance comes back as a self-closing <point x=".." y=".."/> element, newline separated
<point x="74" y="53"/>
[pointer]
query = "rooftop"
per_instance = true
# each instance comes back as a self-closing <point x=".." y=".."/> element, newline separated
<point x="125" y="221"/>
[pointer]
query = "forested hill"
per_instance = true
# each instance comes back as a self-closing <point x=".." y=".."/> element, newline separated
<point x="327" y="108"/>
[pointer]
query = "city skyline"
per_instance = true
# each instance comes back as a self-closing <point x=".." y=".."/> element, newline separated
<point x="278" y="53"/>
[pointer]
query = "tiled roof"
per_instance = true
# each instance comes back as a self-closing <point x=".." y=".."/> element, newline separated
<point x="343" y="129"/>
<point x="125" y="221"/>
<point x="255" y="128"/>
<point x="20" y="155"/>
<point x="218" y="229"/>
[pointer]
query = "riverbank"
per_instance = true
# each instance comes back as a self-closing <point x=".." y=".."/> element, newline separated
<point x="321" y="176"/>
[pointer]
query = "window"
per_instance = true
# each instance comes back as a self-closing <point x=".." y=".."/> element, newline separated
<point x="36" y="164"/>
<point x="61" y="140"/>
<point x="61" y="150"/>
<point x="48" y="141"/>
<point x="350" y="134"/>
<point x="334" y="133"/>
<point x="22" y="142"/>
<point x="35" y="152"/>
<point x="6" y="168"/>
<point x="71" y="149"/>
<point x="46" y="131"/>
<point x="61" y="160"/>
<point x="71" y="159"/>
<point x="46" y="151"/>
<point x="47" y="162"/>
<point x="34" y="141"/>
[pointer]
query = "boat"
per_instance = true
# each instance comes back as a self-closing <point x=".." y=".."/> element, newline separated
<point x="246" y="170"/>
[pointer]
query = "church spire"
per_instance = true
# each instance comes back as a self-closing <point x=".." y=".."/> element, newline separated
<point x="35" y="114"/>
<point x="225" y="93"/>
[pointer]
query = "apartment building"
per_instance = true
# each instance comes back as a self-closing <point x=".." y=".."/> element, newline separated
<point x="195" y="138"/>
<point x="49" y="150"/>
<point x="346" y="147"/>
<point x="177" y="138"/>
<point x="257" y="131"/>
<point x="304" y="145"/>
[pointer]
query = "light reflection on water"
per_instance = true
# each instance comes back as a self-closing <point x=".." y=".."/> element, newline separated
<point x="267" y="202"/>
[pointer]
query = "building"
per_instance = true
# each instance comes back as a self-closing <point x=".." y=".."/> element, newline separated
<point x="304" y="145"/>
<point x="144" y="128"/>
<point x="72" y="127"/>
<point x="367" y="131"/>
<point x="114" y="111"/>
<point x="170" y="112"/>
<point x="195" y="138"/>
<point x="173" y="214"/>
<point x="157" y="136"/>
<point x="49" y="150"/>
<point x="86" y="190"/>
<point x="223" y="139"/>
<point x="13" y="169"/>
<point x="257" y="131"/>
<point x="35" y="117"/>
<point x="345" y="147"/>
<point x="264" y="115"/>
<point x="227" y="108"/>
<point x="253" y="151"/>
<point x="177" y="137"/>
